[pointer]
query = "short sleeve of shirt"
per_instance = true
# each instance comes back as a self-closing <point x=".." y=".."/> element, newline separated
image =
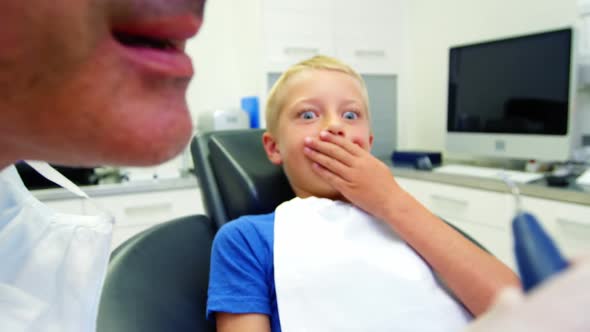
<point x="241" y="269"/>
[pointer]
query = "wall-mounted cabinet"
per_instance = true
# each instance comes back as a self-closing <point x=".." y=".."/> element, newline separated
<point x="583" y="44"/>
<point x="365" y="34"/>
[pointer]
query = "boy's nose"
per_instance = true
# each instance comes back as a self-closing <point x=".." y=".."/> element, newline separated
<point x="335" y="128"/>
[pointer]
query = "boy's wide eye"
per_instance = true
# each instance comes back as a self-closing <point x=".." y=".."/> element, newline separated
<point x="350" y="115"/>
<point x="307" y="115"/>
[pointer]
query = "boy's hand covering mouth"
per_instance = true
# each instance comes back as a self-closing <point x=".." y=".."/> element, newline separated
<point x="361" y="178"/>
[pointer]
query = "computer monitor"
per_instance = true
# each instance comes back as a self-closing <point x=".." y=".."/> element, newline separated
<point x="512" y="98"/>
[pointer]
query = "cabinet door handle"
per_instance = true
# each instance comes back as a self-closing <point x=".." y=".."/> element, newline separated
<point x="148" y="210"/>
<point x="301" y="51"/>
<point x="575" y="230"/>
<point x="451" y="200"/>
<point x="369" y="53"/>
<point x="569" y="222"/>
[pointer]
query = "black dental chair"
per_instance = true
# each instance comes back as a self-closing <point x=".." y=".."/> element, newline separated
<point x="157" y="280"/>
<point x="235" y="176"/>
<point x="237" y="179"/>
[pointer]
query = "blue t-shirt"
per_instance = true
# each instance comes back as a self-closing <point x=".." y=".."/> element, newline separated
<point x="242" y="269"/>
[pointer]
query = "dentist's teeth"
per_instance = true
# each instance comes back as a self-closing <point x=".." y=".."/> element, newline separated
<point x="142" y="41"/>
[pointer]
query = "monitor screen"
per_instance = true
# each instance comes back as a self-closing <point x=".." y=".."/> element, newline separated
<point x="511" y="86"/>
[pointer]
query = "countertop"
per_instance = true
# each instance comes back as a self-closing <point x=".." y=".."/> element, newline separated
<point x="571" y="194"/>
<point x="129" y="187"/>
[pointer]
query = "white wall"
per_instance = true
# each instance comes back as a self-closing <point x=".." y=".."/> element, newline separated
<point x="227" y="55"/>
<point x="434" y="26"/>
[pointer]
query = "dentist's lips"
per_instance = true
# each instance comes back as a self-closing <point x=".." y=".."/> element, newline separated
<point x="157" y="45"/>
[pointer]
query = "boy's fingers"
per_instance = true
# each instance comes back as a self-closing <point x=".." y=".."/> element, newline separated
<point x="326" y="162"/>
<point x="331" y="150"/>
<point x="346" y="144"/>
<point x="330" y="177"/>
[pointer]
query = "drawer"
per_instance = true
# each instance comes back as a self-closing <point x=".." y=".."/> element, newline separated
<point x="478" y="207"/>
<point x="487" y="216"/>
<point x="568" y="224"/>
<point x="150" y="208"/>
<point x="135" y="213"/>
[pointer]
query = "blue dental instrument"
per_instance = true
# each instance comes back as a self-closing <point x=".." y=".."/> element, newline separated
<point x="537" y="256"/>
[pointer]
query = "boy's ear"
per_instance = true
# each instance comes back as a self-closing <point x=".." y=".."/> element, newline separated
<point x="371" y="137"/>
<point x="272" y="149"/>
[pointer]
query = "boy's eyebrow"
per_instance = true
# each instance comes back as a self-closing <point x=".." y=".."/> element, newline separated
<point x="351" y="101"/>
<point x="313" y="100"/>
<point x="316" y="100"/>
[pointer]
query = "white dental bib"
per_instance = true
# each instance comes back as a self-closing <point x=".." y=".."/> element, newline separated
<point x="337" y="268"/>
<point x="52" y="265"/>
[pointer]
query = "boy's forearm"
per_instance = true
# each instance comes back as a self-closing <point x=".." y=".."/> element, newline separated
<point x="473" y="275"/>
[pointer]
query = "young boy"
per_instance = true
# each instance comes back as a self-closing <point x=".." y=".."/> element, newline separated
<point x="318" y="130"/>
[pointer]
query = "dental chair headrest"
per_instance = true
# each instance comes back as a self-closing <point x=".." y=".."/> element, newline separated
<point x="247" y="181"/>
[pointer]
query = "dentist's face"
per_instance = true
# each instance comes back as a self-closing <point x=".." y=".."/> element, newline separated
<point x="85" y="82"/>
<point x="318" y="100"/>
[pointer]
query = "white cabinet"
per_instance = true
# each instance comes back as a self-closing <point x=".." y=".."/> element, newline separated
<point x="136" y="212"/>
<point x="365" y="34"/>
<point x="292" y="36"/>
<point x="487" y="216"/>
<point x="568" y="223"/>
<point x="368" y="34"/>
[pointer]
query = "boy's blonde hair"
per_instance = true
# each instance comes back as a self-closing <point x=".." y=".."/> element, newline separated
<point x="276" y="97"/>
